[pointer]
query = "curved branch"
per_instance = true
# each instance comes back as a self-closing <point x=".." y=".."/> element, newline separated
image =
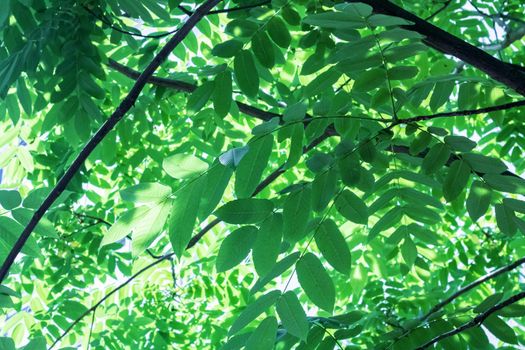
<point x="474" y="284"/>
<point x="110" y="123"/>
<point x="476" y="321"/>
<point x="450" y="44"/>
<point x="463" y="113"/>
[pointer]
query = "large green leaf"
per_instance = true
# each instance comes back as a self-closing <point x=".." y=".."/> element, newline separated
<point x="268" y="244"/>
<point x="245" y="211"/>
<point x="149" y="226"/>
<point x="181" y="165"/>
<point x="145" y="192"/>
<point x="478" y="200"/>
<point x="292" y="315"/>
<point x="333" y="246"/>
<point x="315" y="282"/>
<point x="296" y="212"/>
<point x="251" y="167"/>
<point x="253" y="310"/>
<point x="352" y="207"/>
<point x="235" y="247"/>
<point x="246" y="74"/>
<point x="184" y="214"/>
<point x="222" y="93"/>
<point x="264" y="336"/>
<point x="456" y="180"/>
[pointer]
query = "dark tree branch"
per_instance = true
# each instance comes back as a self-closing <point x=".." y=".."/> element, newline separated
<point x="453" y="157"/>
<point x="464" y="112"/>
<point x="187" y="87"/>
<point x="265" y="115"/>
<point x="110" y="123"/>
<point x="476" y="321"/>
<point x="449" y="44"/>
<point x="472" y="285"/>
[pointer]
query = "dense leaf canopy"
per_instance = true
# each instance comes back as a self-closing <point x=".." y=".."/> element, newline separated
<point x="262" y="174"/>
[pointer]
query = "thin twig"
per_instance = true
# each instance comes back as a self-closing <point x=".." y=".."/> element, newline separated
<point x="476" y="321"/>
<point x="441" y="9"/>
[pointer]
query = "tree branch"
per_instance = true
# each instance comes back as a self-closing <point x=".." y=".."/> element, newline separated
<point x="476" y="321"/>
<point x="474" y="284"/>
<point x="265" y="115"/>
<point x="187" y="87"/>
<point x="449" y="44"/>
<point x="467" y="112"/>
<point x="110" y="123"/>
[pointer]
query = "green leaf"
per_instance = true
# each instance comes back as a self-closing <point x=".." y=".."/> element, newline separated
<point x="352" y="207"/>
<point x="292" y="315"/>
<point x="252" y="165"/>
<point x="315" y="282"/>
<point x="263" y="49"/>
<point x="456" y="180"/>
<point x="296" y="212"/>
<point x="515" y="204"/>
<point x="506" y="219"/>
<point x="402" y="72"/>
<point x="478" y="200"/>
<point x="268" y="243"/>
<point x="323" y="189"/>
<point x="245" y="211"/>
<point x="217" y="179"/>
<point x="483" y="164"/>
<point x="264" y="336"/>
<point x="333" y="246"/>
<point x="11" y="230"/>
<point x="227" y="49"/>
<point x="296" y="145"/>
<point x="279" y="32"/>
<point x="511" y="184"/>
<point x="246" y="74"/>
<point x="148" y="227"/>
<point x="370" y="80"/>
<point x="295" y="112"/>
<point x="145" y="192"/>
<point x="200" y="97"/>
<point x="386" y="20"/>
<point x="253" y="310"/>
<point x="460" y="143"/>
<point x="441" y="94"/>
<point x="181" y="166"/>
<point x="385" y="222"/>
<point x="436" y="158"/>
<point x="500" y="329"/>
<point x="222" y="93"/>
<point x="322" y="83"/>
<point x="184" y="214"/>
<point x="335" y="20"/>
<point x="235" y="248"/>
<point x="409" y="252"/>
<point x="279" y="268"/>
<point x="10" y="199"/>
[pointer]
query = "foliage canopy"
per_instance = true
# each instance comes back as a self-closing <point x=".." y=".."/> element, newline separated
<point x="262" y="174"/>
